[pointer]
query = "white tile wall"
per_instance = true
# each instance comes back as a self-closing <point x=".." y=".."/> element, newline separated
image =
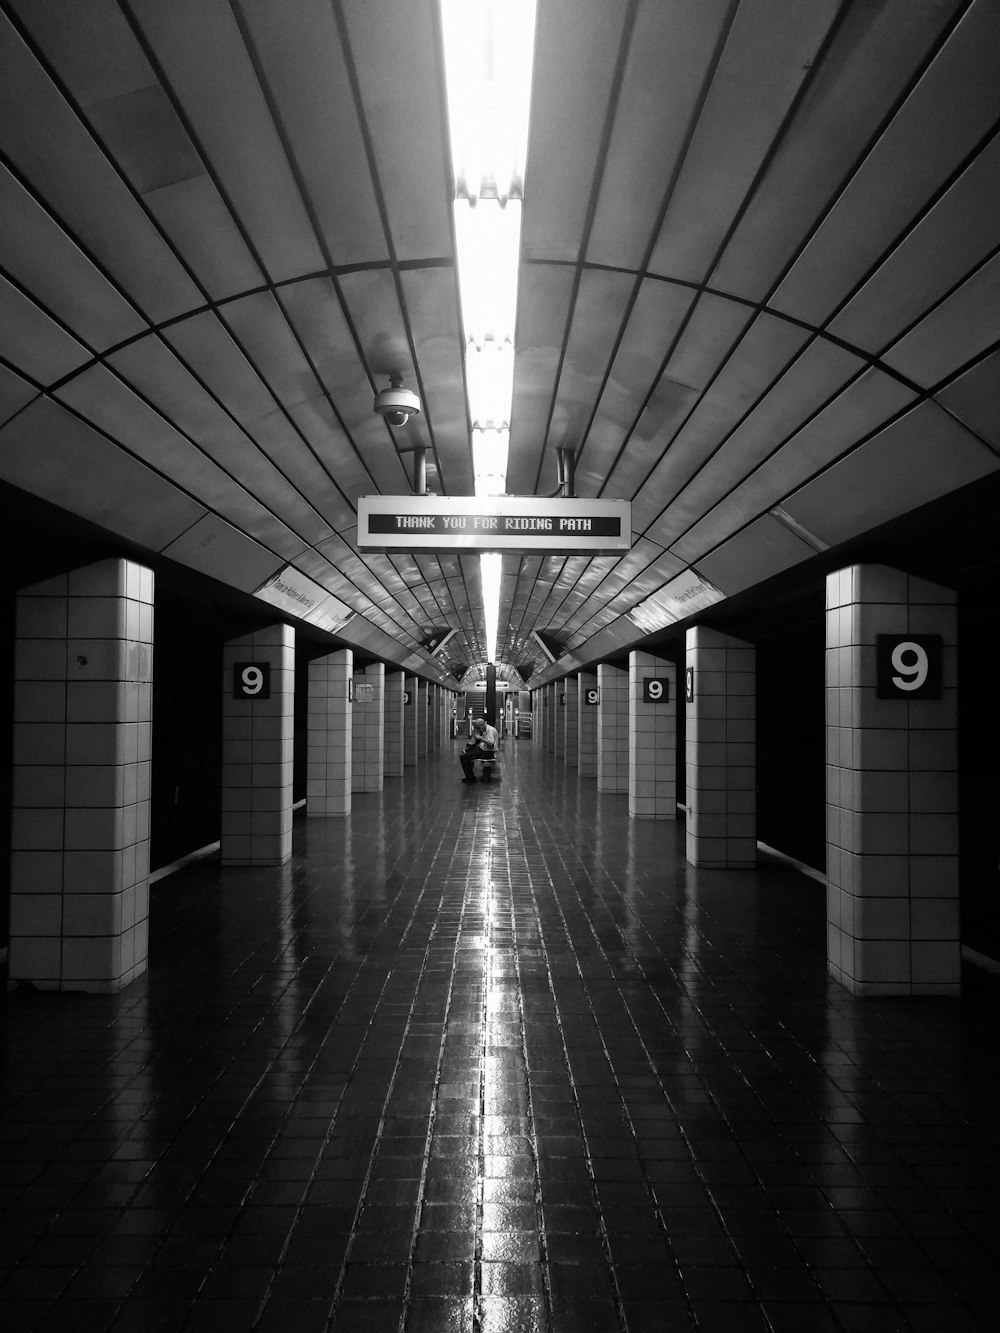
<point x="422" y="705"/>
<point x="560" y="713"/>
<point x="892" y="794"/>
<point x="368" y="730"/>
<point x="82" y="778"/>
<point x="720" y="751"/>
<point x="612" y="729"/>
<point x="257" y="752"/>
<point x="410" y="729"/>
<point x="586" y="731"/>
<point x="571" y="740"/>
<point x="329" y="767"/>
<point x="652" y="741"/>
<point x="392" y="752"/>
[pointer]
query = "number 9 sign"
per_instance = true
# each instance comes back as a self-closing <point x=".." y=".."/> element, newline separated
<point x="655" y="690"/>
<point x="251" y="680"/>
<point x="908" y="666"/>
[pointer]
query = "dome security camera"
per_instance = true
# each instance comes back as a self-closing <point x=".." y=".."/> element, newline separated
<point x="397" y="405"/>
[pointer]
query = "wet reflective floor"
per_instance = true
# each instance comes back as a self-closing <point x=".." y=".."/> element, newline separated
<point x="495" y="1058"/>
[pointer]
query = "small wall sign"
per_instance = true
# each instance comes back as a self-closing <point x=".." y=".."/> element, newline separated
<point x="364" y="693"/>
<point x="592" y="697"/>
<point x="689" y="684"/>
<point x="562" y="701"/>
<point x="655" y="690"/>
<point x="908" y="666"/>
<point x="407" y="697"/>
<point x="251" y="680"/>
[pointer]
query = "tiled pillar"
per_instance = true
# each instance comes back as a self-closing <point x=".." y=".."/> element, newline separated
<point x="720" y="684"/>
<point x="552" y="706"/>
<point x="560" y="714"/>
<point x="329" y="728"/>
<point x="652" y="737"/>
<point x="892" y="784"/>
<point x="79" y="875"/>
<point x="410" y="728"/>
<point x="392" y="753"/>
<point x="612" y="729"/>
<point x="586" y="745"/>
<point x="422" y="703"/>
<point x="438" y="716"/>
<point x="571" y="739"/>
<point x="258" y="747"/>
<point x="368" y="728"/>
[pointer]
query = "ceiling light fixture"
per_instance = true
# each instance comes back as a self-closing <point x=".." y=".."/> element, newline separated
<point x="488" y="55"/>
<point x="490" y="571"/>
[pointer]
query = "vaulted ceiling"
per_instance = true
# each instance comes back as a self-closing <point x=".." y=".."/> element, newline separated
<point x="759" y="289"/>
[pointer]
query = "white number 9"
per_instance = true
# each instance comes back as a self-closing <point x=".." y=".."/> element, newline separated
<point x="253" y="680"/>
<point x="656" y="689"/>
<point x="910" y="660"/>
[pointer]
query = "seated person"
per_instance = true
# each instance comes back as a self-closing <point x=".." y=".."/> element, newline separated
<point x="482" y="746"/>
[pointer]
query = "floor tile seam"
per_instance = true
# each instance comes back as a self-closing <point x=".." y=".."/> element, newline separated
<point x="366" y="1182"/>
<point x="331" y="1128"/>
<point x="624" y="1106"/>
<point x="628" y="1118"/>
<point x="585" y="1139"/>
<point x="124" y="1209"/>
<point x="533" y="1136"/>
<point x="428" y="1141"/>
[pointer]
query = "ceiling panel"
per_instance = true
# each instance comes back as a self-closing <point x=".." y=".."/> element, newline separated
<point x="431" y="297"/>
<point x="957" y="234"/>
<point x="208" y="70"/>
<point x="15" y="393"/>
<point x="91" y="47"/>
<point x="50" y="146"/>
<point x="599" y="310"/>
<point x="576" y="47"/>
<point x="400" y="86"/>
<point x="855" y="413"/>
<point x="298" y="50"/>
<point x="872" y="54"/>
<point x="49" y="265"/>
<point x="913" y="461"/>
<point x="973" y="398"/>
<point x="219" y="550"/>
<point x="51" y="453"/>
<point x="954" y="333"/>
<point x="670" y="55"/>
<point x="762" y="353"/>
<point x="653" y="322"/>
<point x="904" y="169"/>
<point x="33" y="342"/>
<point x="811" y="380"/>
<point x="545" y="297"/>
<point x="761" y="69"/>
<point x="765" y="548"/>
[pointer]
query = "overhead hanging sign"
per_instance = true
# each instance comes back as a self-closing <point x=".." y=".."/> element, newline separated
<point x="520" y="524"/>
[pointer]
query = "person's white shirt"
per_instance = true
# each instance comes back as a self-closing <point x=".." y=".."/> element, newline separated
<point x="489" y="736"/>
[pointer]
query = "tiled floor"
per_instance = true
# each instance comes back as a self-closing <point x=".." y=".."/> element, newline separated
<point x="495" y="1058"/>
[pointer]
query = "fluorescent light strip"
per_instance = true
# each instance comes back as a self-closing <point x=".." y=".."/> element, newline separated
<point x="488" y="54"/>
<point x="488" y="249"/>
<point x="490" y="571"/>
<point x="489" y="374"/>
